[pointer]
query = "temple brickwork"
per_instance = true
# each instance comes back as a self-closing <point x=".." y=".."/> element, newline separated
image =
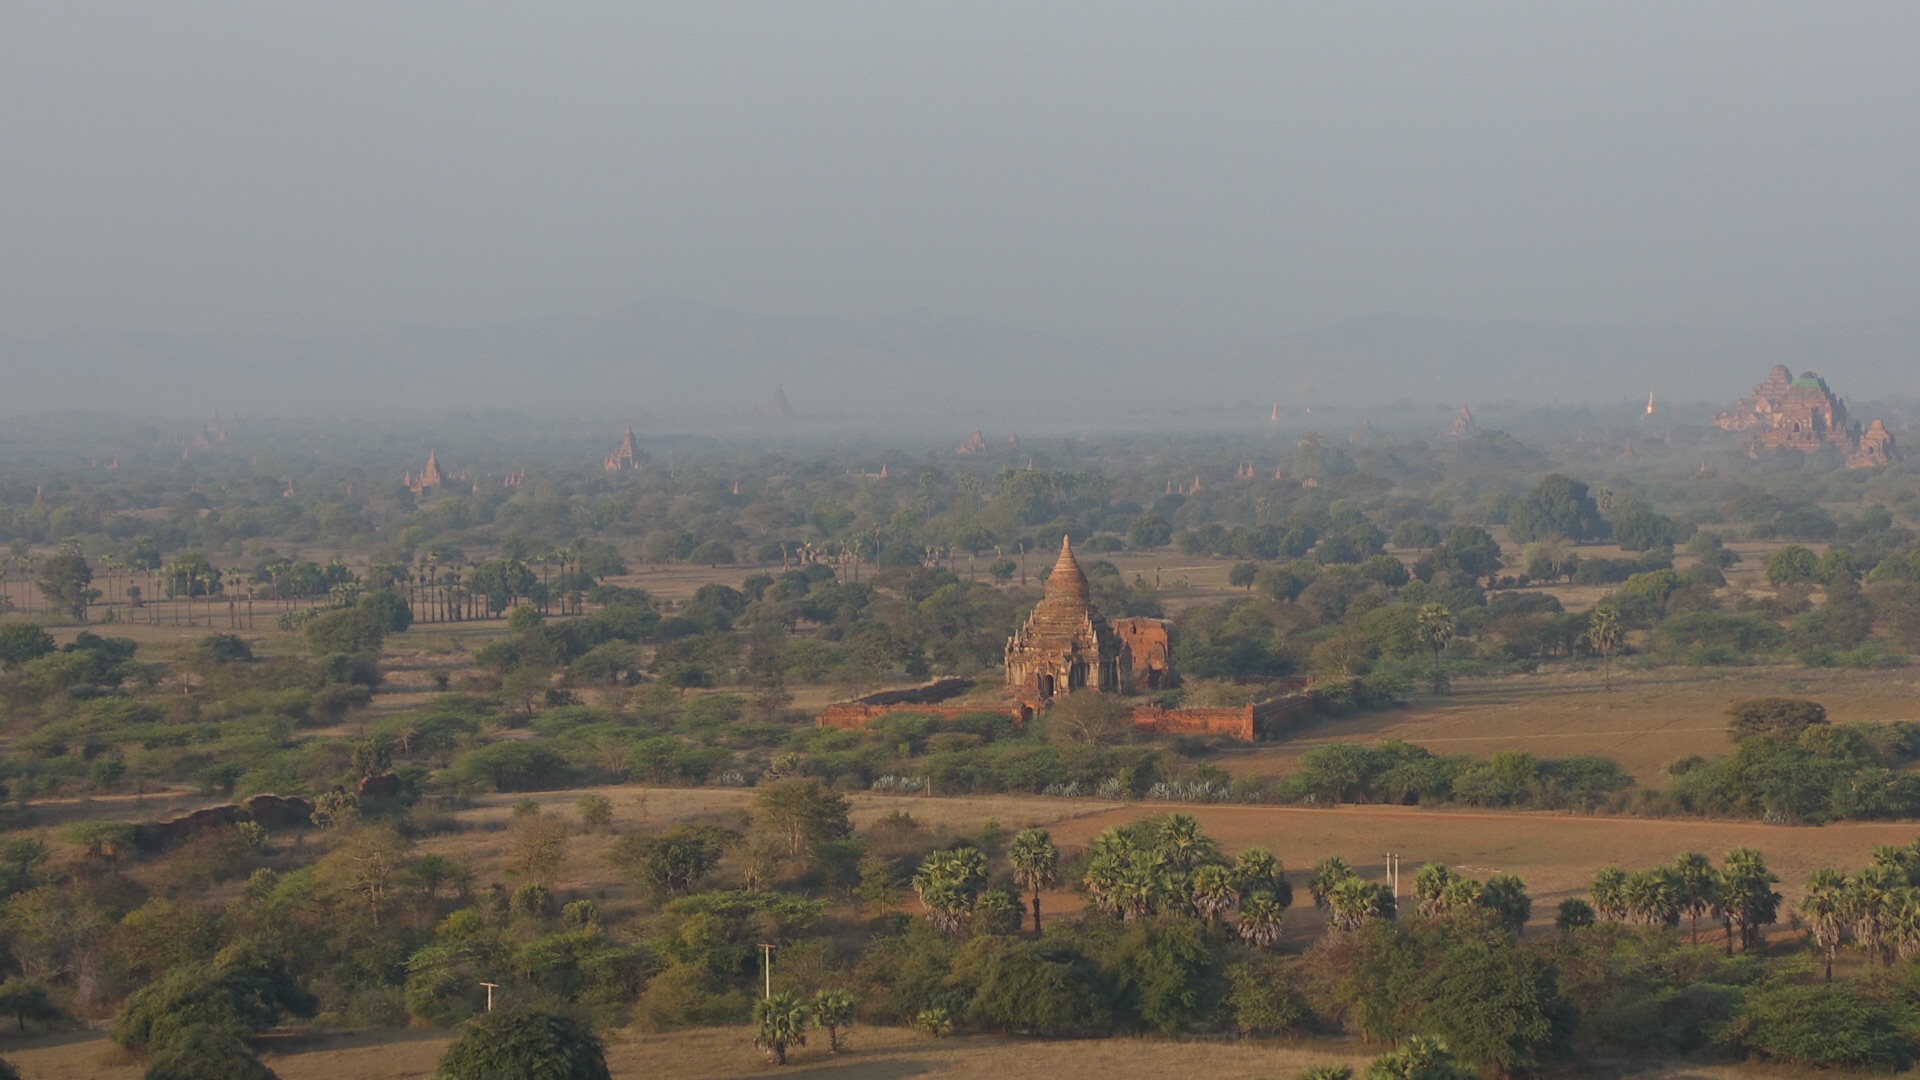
<point x="624" y="457"/>
<point x="1065" y="645"/>
<point x="428" y="479"/>
<point x="1150" y="645"/>
<point x="1804" y="414"/>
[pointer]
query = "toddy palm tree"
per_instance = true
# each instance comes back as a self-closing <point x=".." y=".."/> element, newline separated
<point x="1434" y="625"/>
<point x="1213" y="892"/>
<point x="1699" y="890"/>
<point x="1606" y="635"/>
<point x="1260" y="918"/>
<point x="1036" y="865"/>
<point x="782" y="1021"/>
<point x="833" y="1010"/>
<point x="1825" y="909"/>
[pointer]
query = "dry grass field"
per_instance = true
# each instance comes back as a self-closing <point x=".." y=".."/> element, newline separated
<point x="1649" y="720"/>
<point x="874" y="1054"/>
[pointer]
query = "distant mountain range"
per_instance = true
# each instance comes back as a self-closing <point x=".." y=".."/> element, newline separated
<point x="691" y="365"/>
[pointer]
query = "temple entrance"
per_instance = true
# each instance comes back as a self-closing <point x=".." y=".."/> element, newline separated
<point x="1077" y="677"/>
<point x="1045" y="687"/>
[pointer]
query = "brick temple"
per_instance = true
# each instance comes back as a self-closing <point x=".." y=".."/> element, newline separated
<point x="1804" y="414"/>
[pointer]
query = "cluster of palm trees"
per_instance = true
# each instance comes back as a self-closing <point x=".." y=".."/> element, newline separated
<point x="1877" y="908"/>
<point x="1739" y="894"/>
<point x="1438" y="891"/>
<point x="1163" y="864"/>
<point x="25" y="564"/>
<point x="783" y="1019"/>
<point x="1349" y="899"/>
<point x="454" y="591"/>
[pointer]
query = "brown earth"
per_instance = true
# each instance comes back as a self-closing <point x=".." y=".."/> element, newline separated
<point x="873" y="1054"/>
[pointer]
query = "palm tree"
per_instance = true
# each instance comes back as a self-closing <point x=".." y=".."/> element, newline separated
<point x="1260" y="919"/>
<point x="1430" y="887"/>
<point x="1036" y="864"/>
<point x="1699" y="890"/>
<point x="833" y="1010"/>
<point x="947" y="883"/>
<point x="1606" y="635"/>
<point x="1183" y="844"/>
<point x="1750" y="902"/>
<point x="1869" y="900"/>
<point x="1652" y="897"/>
<point x="1257" y="871"/>
<point x="1327" y="873"/>
<point x="1825" y="908"/>
<point x="782" y="1020"/>
<point x="1903" y="926"/>
<point x="1353" y="901"/>
<point x="1213" y="892"/>
<point x="1609" y="893"/>
<point x="1434" y="625"/>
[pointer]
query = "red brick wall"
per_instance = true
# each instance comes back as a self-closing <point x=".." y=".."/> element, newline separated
<point x="1245" y="723"/>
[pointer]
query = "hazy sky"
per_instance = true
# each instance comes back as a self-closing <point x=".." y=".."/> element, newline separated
<point x="1086" y="168"/>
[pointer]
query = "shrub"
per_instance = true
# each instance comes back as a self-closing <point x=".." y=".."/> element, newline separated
<point x="1826" y="1025"/>
<point x="1782" y="717"/>
<point x="204" y="1052"/>
<point x="524" y="1045"/>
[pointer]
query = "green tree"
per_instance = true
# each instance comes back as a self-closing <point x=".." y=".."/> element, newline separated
<point x="781" y="1022"/>
<point x="240" y="999"/>
<point x="206" y="1052"/>
<point x="1783" y="718"/>
<point x="353" y="631"/>
<point x="833" y="1011"/>
<point x="1793" y="565"/>
<point x="1242" y="575"/>
<point x="1036" y="865"/>
<point x="524" y="1045"/>
<point x="802" y="811"/>
<point x="1557" y="506"/>
<point x="1415" y="535"/>
<point x="22" y="642"/>
<point x="26" y="999"/>
<point x="1833" y="1025"/>
<point x="1149" y="530"/>
<point x="64" y="580"/>
<point x="673" y="862"/>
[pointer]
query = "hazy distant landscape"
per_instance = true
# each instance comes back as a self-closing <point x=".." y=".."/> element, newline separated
<point x="684" y="366"/>
<point x="1324" y="541"/>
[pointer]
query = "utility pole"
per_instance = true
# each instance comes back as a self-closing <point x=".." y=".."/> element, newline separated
<point x="1393" y="874"/>
<point x="491" y="987"/>
<point x="766" y="967"/>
